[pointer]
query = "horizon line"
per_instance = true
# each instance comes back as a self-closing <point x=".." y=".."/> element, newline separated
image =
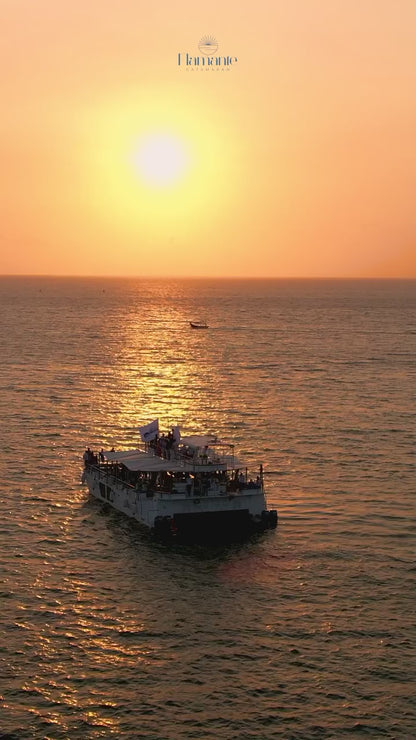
<point x="205" y="277"/>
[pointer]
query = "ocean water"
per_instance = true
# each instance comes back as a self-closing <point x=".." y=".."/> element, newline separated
<point x="305" y="632"/>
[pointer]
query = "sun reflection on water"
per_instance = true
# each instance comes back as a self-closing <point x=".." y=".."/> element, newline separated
<point x="164" y="372"/>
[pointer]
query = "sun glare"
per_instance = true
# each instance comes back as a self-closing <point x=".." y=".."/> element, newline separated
<point x="160" y="173"/>
<point x="160" y="159"/>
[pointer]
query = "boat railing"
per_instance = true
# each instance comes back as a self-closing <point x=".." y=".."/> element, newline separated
<point x="231" y="484"/>
<point x="106" y="473"/>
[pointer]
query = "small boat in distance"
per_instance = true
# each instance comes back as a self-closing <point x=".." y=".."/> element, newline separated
<point x="199" y="325"/>
<point x="189" y="488"/>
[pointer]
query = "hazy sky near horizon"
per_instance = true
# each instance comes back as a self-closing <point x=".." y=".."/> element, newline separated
<point x="299" y="159"/>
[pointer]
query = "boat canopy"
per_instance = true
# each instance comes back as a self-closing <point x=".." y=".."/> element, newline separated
<point x="153" y="464"/>
<point x="120" y="455"/>
<point x="199" y="440"/>
<point x="135" y="460"/>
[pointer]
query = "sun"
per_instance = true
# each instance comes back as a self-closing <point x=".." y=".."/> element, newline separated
<point x="160" y="159"/>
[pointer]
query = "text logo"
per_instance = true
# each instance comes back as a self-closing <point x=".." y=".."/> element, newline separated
<point x="207" y="60"/>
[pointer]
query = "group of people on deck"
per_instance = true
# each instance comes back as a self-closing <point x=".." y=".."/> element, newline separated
<point x="164" y="445"/>
<point x="167" y="446"/>
<point x="239" y="481"/>
<point x="90" y="458"/>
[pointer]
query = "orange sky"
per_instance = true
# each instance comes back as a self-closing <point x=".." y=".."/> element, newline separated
<point x="300" y="160"/>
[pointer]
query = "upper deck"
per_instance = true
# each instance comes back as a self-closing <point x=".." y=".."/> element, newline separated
<point x="185" y="458"/>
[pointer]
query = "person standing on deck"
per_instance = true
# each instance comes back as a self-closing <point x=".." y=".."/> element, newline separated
<point x="188" y="482"/>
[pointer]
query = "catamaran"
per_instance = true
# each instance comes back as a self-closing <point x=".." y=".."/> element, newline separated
<point x="190" y="488"/>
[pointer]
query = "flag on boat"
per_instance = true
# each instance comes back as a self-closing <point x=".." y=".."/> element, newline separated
<point x="176" y="434"/>
<point x="149" y="431"/>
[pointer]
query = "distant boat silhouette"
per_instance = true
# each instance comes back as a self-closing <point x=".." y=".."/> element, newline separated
<point x="198" y="325"/>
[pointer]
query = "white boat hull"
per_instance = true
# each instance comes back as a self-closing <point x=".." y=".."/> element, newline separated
<point x="181" y="515"/>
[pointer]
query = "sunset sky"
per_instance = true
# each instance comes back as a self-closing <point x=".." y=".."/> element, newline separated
<point x="299" y="159"/>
